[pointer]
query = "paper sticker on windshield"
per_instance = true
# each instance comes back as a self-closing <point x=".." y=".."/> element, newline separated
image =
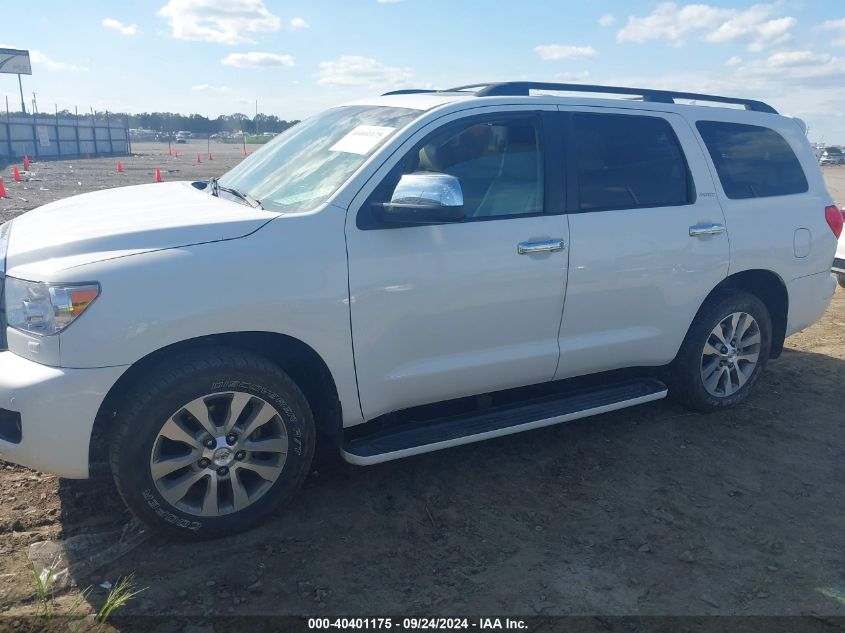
<point x="362" y="139"/>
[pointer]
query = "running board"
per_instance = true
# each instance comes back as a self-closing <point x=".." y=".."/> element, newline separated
<point x="417" y="438"/>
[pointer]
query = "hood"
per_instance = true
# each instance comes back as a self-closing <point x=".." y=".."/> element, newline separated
<point x="124" y="221"/>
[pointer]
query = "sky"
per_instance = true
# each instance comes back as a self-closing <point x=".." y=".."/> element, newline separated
<point x="298" y="57"/>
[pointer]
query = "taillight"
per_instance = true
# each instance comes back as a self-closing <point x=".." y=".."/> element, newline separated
<point x="835" y="219"/>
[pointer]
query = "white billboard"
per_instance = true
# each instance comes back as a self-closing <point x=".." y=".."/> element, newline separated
<point x="15" y="62"/>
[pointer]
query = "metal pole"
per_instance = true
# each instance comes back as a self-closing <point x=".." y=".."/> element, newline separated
<point x="58" y="143"/>
<point x="78" y="146"/>
<point x="108" y="127"/>
<point x="34" y="130"/>
<point x="34" y="104"/>
<point x="8" y="128"/>
<point x="20" y="85"/>
<point x="94" y="130"/>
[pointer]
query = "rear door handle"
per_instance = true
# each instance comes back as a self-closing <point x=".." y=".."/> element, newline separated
<point x="526" y="248"/>
<point x="700" y="230"/>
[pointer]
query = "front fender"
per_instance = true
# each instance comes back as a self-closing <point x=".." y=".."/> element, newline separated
<point x="289" y="277"/>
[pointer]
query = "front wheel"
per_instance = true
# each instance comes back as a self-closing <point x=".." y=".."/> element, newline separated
<point x="211" y="442"/>
<point x="724" y="352"/>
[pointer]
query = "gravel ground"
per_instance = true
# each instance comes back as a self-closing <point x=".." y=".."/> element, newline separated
<point x="649" y="511"/>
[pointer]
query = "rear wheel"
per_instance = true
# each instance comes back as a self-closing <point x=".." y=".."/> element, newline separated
<point x="211" y="442"/>
<point x="726" y="349"/>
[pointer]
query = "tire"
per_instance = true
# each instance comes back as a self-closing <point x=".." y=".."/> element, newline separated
<point x="686" y="376"/>
<point x="161" y="445"/>
<point x="840" y="277"/>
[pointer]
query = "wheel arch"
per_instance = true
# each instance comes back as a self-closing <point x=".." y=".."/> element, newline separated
<point x="770" y="288"/>
<point x="296" y="358"/>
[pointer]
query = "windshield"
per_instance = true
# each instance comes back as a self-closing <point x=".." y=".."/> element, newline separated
<point x="301" y="168"/>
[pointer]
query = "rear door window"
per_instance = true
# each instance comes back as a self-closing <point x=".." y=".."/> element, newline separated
<point x="628" y="162"/>
<point x="752" y="161"/>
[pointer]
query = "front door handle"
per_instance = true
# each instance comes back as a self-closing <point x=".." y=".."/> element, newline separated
<point x="527" y="248"/>
<point x="700" y="230"/>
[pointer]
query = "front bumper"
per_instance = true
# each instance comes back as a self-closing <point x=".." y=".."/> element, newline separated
<point x="809" y="297"/>
<point x="57" y="408"/>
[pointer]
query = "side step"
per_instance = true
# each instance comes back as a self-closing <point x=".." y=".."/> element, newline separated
<point x="416" y="438"/>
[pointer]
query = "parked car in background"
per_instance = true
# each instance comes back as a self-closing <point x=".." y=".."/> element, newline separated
<point x="839" y="259"/>
<point x="832" y="156"/>
<point x="403" y="274"/>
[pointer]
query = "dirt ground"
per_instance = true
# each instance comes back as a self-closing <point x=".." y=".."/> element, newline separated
<point x="651" y="511"/>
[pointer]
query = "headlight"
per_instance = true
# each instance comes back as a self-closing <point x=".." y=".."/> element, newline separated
<point x="46" y="309"/>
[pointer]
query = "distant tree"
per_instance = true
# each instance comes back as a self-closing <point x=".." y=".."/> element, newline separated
<point x="173" y="122"/>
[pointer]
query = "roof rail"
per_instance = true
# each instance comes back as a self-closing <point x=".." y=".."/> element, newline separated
<point x="523" y="88"/>
<point x="407" y="91"/>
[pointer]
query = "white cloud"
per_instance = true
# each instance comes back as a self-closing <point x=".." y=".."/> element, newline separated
<point x="388" y="1"/>
<point x="220" y="21"/>
<point x="40" y="59"/>
<point x="798" y="66"/>
<point x="356" y="70"/>
<point x="120" y="27"/>
<point x="299" y="23"/>
<point x="838" y="27"/>
<point x="574" y="77"/>
<point x="796" y="58"/>
<point x="736" y="60"/>
<point x="671" y="23"/>
<point x="755" y="25"/>
<point x="209" y="88"/>
<point x="562" y="51"/>
<point x="607" y="20"/>
<point x="257" y="60"/>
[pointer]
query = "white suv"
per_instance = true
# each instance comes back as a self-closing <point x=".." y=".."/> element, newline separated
<point x="403" y="274"/>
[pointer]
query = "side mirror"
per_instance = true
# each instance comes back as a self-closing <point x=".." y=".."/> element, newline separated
<point x="424" y="198"/>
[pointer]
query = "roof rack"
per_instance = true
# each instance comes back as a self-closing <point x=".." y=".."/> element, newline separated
<point x="407" y="91"/>
<point x="523" y="88"/>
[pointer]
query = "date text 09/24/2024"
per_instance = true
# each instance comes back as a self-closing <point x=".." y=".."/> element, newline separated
<point x="417" y="623"/>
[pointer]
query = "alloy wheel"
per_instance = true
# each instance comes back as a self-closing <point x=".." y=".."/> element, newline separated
<point x="219" y="453"/>
<point x="730" y="354"/>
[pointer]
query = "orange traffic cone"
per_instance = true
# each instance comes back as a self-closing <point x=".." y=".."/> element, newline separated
<point x="158" y="174"/>
<point x="119" y="167"/>
<point x="2" y="189"/>
<point x="198" y="158"/>
<point x="26" y="163"/>
<point x="210" y="157"/>
<point x="16" y="174"/>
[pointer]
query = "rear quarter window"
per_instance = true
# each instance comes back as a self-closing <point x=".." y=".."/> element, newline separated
<point x="752" y="161"/>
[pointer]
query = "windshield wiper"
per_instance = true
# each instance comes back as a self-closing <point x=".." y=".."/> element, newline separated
<point x="216" y="188"/>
